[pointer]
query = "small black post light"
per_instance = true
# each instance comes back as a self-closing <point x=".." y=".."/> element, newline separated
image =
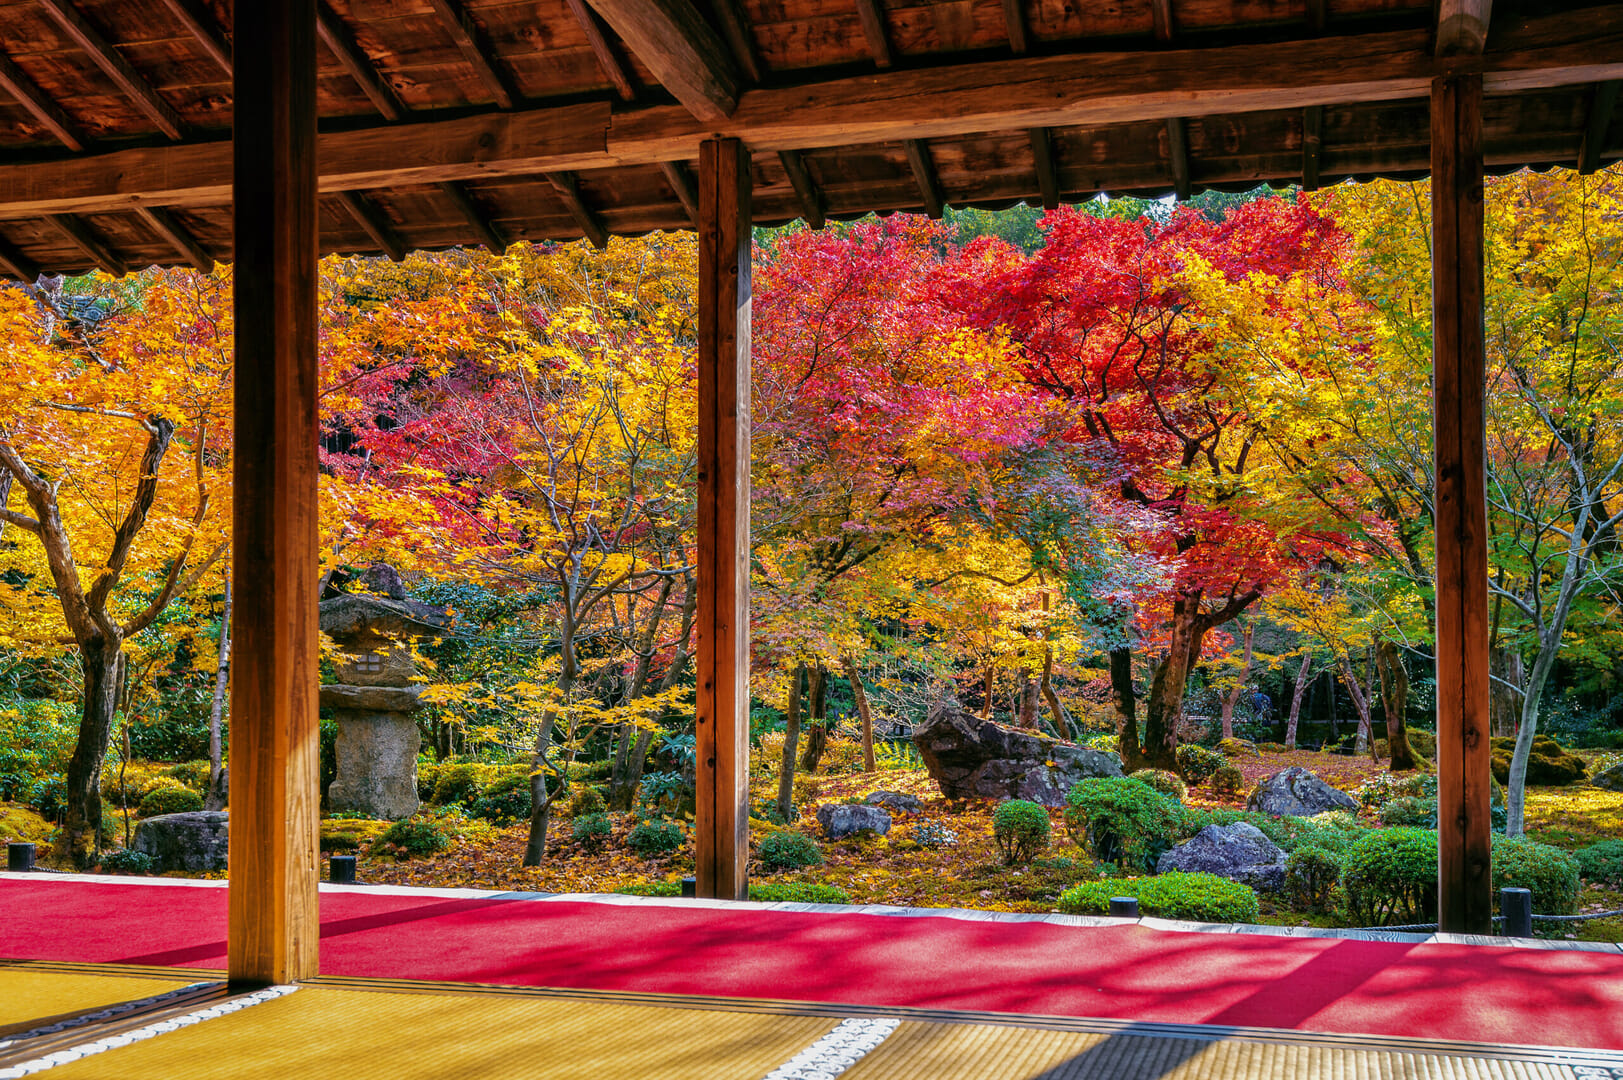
<point x="1516" y="905"/>
<point x="19" y="857"/>
<point x="690" y="888"/>
<point x="342" y="871"/>
<point x="1124" y="907"/>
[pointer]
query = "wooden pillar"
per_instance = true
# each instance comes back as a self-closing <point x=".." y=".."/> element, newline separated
<point x="1464" y="837"/>
<point x="722" y="817"/>
<point x="275" y="801"/>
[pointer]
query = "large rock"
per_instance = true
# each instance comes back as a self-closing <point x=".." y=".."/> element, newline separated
<point x="972" y="758"/>
<point x="194" y="841"/>
<point x="1610" y="779"/>
<point x="1297" y="792"/>
<point x="846" y="819"/>
<point x="899" y="801"/>
<point x="1239" y="852"/>
<point x="377" y="762"/>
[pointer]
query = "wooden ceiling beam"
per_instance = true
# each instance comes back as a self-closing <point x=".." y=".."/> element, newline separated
<point x="873" y="29"/>
<point x="923" y="166"/>
<point x="476" y="50"/>
<point x="806" y="190"/>
<point x="177" y="236"/>
<point x="567" y="185"/>
<point x="370" y="218"/>
<point x="1014" y="19"/>
<point x="1042" y="160"/>
<point x="1318" y="15"/>
<point x="676" y="43"/>
<point x="1162" y="20"/>
<point x="1601" y="106"/>
<point x="40" y="106"/>
<point x="1462" y="27"/>
<point x="1178" y="157"/>
<point x="200" y="25"/>
<point x="95" y="249"/>
<point x="113" y="64"/>
<point x="676" y="175"/>
<point x="18" y="265"/>
<point x="735" y="27"/>
<point x="475" y="217"/>
<point x="1312" y="141"/>
<point x="337" y="37"/>
<point x="607" y="59"/>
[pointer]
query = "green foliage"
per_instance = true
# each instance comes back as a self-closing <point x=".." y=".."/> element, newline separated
<point x="665" y="793"/>
<point x="194" y="774"/>
<point x="789" y="851"/>
<point x="1602" y="863"/>
<point x="1198" y="763"/>
<point x="1549" y="764"/>
<point x="169" y="797"/>
<point x="1227" y="780"/>
<point x="506" y="799"/>
<point x="1107" y="743"/>
<point x="1424" y="743"/>
<point x="587" y="801"/>
<point x="1177" y="895"/>
<point x="460" y="782"/>
<point x="340" y="841"/>
<point x="1020" y="829"/>
<point x="1549" y="873"/>
<point x="412" y="836"/>
<point x="591" y="831"/>
<point x="127" y="862"/>
<point x="902" y="754"/>
<point x="798" y="892"/>
<point x="36" y="739"/>
<point x="1390" y="877"/>
<point x="1122" y="820"/>
<point x="182" y="735"/>
<point x="1407" y="810"/>
<point x="655" y="838"/>
<point x="23" y="824"/>
<point x="1311" y="874"/>
<point x="1237" y="748"/>
<point x="49" y="795"/>
<point x="1167" y="783"/>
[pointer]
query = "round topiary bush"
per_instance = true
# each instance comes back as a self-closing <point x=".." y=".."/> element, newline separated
<point x="1227" y="781"/>
<point x="1390" y="877"/>
<point x="194" y="774"/>
<point x="1602" y="863"/>
<point x="1176" y="895"/>
<point x="1549" y="873"/>
<point x="655" y="838"/>
<point x="587" y="801"/>
<point x="789" y="851"/>
<point x="412" y="836"/>
<point x="169" y="797"/>
<point x="1020" y="829"/>
<point x="1234" y="748"/>
<point x="1410" y="811"/>
<point x="1311" y="873"/>
<point x="127" y="862"/>
<point x="1123" y="821"/>
<point x="1197" y="763"/>
<point x="591" y="831"/>
<point x="459" y="782"/>
<point x="505" y="800"/>
<point x="1167" y="783"/>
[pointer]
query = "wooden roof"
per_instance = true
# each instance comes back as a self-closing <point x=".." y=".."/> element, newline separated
<point x="490" y="121"/>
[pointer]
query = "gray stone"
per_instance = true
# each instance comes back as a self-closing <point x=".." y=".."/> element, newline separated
<point x="377" y="763"/>
<point x="1610" y="779"/>
<point x="972" y="758"/>
<point x="399" y="699"/>
<point x="1239" y="852"/>
<point x="899" y="801"/>
<point x="845" y="819"/>
<point x="194" y="841"/>
<point x="347" y="618"/>
<point x="1297" y="792"/>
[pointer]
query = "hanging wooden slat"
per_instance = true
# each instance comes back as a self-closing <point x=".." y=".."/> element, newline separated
<point x="1042" y="159"/>
<point x="1596" y="124"/>
<point x="924" y="174"/>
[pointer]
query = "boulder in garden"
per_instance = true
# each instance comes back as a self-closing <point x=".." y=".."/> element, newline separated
<point x="840" y="820"/>
<point x="1297" y="792"/>
<point x="898" y="801"/>
<point x="973" y="758"/>
<point x="1239" y="852"/>
<point x="1610" y="779"/>
<point x="194" y="841"/>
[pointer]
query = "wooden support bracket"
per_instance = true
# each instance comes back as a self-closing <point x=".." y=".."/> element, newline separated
<point x="806" y="190"/>
<point x="923" y="166"/>
<point x="676" y="175"/>
<point x="1042" y="159"/>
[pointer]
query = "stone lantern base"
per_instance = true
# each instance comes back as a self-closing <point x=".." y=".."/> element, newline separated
<point x="376" y="756"/>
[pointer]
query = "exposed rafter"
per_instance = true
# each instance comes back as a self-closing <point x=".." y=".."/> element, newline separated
<point x="873" y="29"/>
<point x="675" y="42"/>
<point x="1601" y="107"/>
<point x="1318" y="15"/>
<point x="1162" y="20"/>
<point x="94" y="247"/>
<point x="918" y="158"/>
<point x="1312" y="139"/>
<point x="567" y="185"/>
<point x="735" y="27"/>
<point x="1178" y="156"/>
<point x="676" y="175"/>
<point x="475" y="217"/>
<point x="113" y="64"/>
<point x="1462" y="26"/>
<point x="15" y="263"/>
<point x="360" y="67"/>
<point x="39" y="105"/>
<point x="476" y="50"/>
<point x="200" y="25"/>
<point x="185" y="244"/>
<point x="607" y="59"/>
<point x="1042" y="159"/>
<point x="370" y="218"/>
<point x="811" y="199"/>
<point x="1014" y="18"/>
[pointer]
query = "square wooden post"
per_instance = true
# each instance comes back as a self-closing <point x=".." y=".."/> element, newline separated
<point x="275" y="799"/>
<point x="1459" y="375"/>
<point x="722" y="817"/>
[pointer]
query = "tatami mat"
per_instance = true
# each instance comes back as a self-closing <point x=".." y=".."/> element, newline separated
<point x="30" y="992"/>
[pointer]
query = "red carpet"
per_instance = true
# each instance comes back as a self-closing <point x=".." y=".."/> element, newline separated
<point x="1490" y="995"/>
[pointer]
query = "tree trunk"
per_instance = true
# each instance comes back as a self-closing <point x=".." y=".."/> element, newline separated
<point x="1395" y="701"/>
<point x="1505" y="701"/>
<point x="1360" y="705"/>
<point x="991" y="677"/>
<point x="811" y="755"/>
<point x="1296" y="701"/>
<point x="861" y="696"/>
<point x="1232" y="698"/>
<point x="1165" y="706"/>
<point x="1062" y="723"/>
<point x="791" y="737"/>
<point x="218" y="794"/>
<point x="1028" y="701"/>
<point x="103" y="667"/>
<point x="1121" y="691"/>
<point x="542" y="792"/>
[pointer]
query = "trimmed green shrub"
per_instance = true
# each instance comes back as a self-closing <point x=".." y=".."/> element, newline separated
<point x="1407" y="810"/>
<point x="655" y="838"/>
<point x="1549" y="873"/>
<point x="169" y="797"/>
<point x="1123" y="821"/>
<point x="591" y="831"/>
<point x="1602" y="863"/>
<point x="1232" y="747"/>
<point x="460" y="782"/>
<point x="1197" y="763"/>
<point x="1177" y="895"/>
<point x="789" y="851"/>
<point x="194" y="774"/>
<point x="127" y="862"/>
<point x="798" y="892"/>
<point x="1311" y="874"/>
<point x="1390" y="877"/>
<point x="1227" y="781"/>
<point x="505" y="800"/>
<point x="1020" y="829"/>
<point x="587" y="801"/>
<point x="1167" y="783"/>
<point x="412" y="836"/>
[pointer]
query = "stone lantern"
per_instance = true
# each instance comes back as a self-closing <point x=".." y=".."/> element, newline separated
<point x="374" y="699"/>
